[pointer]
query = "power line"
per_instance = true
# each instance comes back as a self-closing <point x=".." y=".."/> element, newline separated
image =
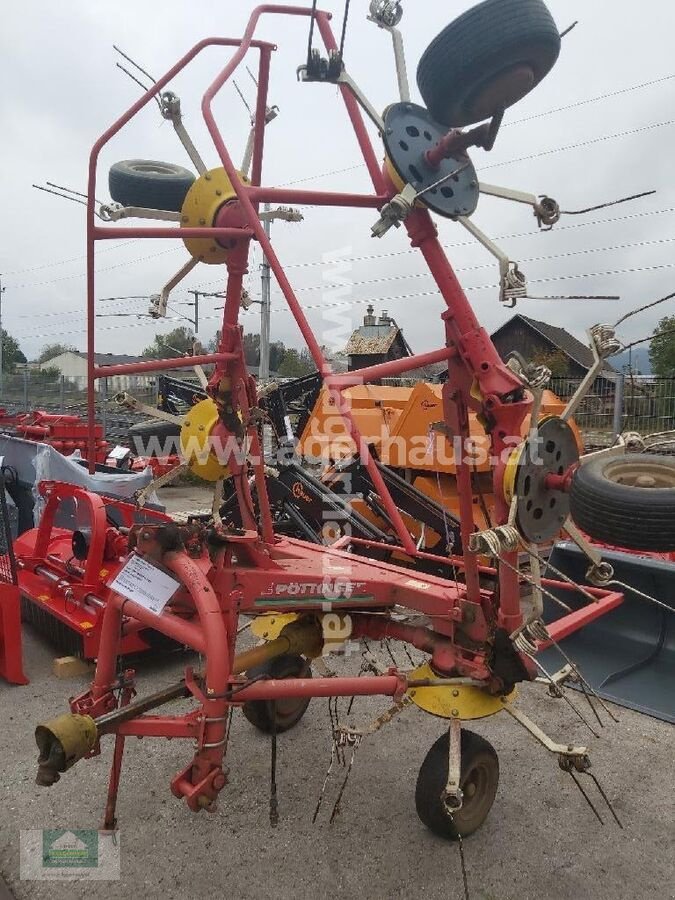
<point x="19" y="287"/>
<point x="62" y="262"/>
<point x="585" y="251"/>
<point x="549" y="112"/>
<point x="598" y="140"/>
<point x="367" y="258"/>
<point x="397" y="297"/>
<point x="620" y="92"/>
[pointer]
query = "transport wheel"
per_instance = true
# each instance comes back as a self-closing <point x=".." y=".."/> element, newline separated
<point x="155" y="436"/>
<point x="479" y="776"/>
<point x="487" y="59"/>
<point x="149" y="184"/>
<point x="285" y="712"/>
<point x="627" y="501"/>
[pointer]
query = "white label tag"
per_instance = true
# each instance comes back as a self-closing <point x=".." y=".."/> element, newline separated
<point x="145" y="584"/>
<point x="119" y="452"/>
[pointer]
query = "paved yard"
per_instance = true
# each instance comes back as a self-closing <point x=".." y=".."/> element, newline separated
<point x="540" y="840"/>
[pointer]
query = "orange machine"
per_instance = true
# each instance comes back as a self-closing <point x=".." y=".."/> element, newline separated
<point x="404" y="426"/>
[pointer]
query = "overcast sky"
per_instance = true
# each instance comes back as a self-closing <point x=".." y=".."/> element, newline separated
<point x="61" y="90"/>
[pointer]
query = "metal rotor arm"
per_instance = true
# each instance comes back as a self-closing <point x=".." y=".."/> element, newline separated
<point x="546" y="210"/>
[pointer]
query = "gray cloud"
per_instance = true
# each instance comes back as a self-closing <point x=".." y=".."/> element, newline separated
<point x="61" y="90"/>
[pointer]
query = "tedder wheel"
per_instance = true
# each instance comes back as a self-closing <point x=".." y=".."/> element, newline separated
<point x="487" y="59"/>
<point x="627" y="501"/>
<point x="479" y="776"/>
<point x="286" y="712"/>
<point x="149" y="184"/>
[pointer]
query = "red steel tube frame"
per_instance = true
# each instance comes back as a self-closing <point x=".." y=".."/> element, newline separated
<point x="476" y="360"/>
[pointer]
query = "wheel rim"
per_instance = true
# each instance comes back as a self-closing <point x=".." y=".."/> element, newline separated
<point x="478" y="796"/>
<point x="640" y="474"/>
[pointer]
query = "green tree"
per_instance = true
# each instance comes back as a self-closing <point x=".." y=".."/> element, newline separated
<point x="45" y="376"/>
<point x="251" y="344"/>
<point x="557" y="361"/>
<point x="11" y="352"/>
<point x="176" y="343"/>
<point x="662" y="347"/>
<point x="296" y="363"/>
<point x="49" y="351"/>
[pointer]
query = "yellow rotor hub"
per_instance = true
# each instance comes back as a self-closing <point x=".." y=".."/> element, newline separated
<point x="196" y="445"/>
<point x="510" y="472"/>
<point x="454" y="701"/>
<point x="201" y="206"/>
<point x="396" y="179"/>
<point x="269" y="627"/>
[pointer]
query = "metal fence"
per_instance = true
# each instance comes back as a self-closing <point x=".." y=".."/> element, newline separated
<point x="27" y="391"/>
<point x="615" y="403"/>
<point x="621" y="403"/>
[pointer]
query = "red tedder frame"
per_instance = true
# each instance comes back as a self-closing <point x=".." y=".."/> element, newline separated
<point x="252" y="570"/>
<point x="478" y="378"/>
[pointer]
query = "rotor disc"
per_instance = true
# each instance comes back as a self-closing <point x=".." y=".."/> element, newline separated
<point x="409" y="133"/>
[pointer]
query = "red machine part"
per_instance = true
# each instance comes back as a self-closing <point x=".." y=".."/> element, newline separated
<point x="65" y="433"/>
<point x="74" y="592"/>
<point x="253" y="570"/>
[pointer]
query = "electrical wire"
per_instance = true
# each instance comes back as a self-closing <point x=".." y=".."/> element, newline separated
<point x="584" y="252"/>
<point x="640" y="309"/>
<point x="63" y="262"/>
<point x="513" y="235"/>
<point x="549" y="112"/>
<point x="391" y="299"/>
<point x="29" y="284"/>
<point x="404" y="276"/>
<point x="578" y="103"/>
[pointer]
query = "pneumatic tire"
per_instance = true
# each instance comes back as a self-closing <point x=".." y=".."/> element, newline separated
<point x="627" y="501"/>
<point x="487" y="59"/>
<point x="478" y="780"/>
<point x="278" y="715"/>
<point x="149" y="184"/>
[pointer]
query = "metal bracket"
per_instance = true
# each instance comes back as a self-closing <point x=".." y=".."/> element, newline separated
<point x="394" y="212"/>
<point x="512" y="282"/>
<point x="386" y="14"/>
<point x="603" y="343"/>
<point x="170" y="109"/>
<point x="452" y="796"/>
<point x="600" y="571"/>
<point x="158" y="302"/>
<point x="113" y="212"/>
<point x="546" y="209"/>
<point x="563" y="750"/>
<point x="128" y="402"/>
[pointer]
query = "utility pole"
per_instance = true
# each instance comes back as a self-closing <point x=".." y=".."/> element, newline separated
<point x="265" y="310"/>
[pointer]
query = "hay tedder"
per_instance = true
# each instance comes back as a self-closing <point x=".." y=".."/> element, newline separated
<point x="192" y="581"/>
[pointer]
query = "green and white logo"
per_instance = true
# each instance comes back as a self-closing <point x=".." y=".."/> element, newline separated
<point x="75" y="849"/>
<point x="69" y="854"/>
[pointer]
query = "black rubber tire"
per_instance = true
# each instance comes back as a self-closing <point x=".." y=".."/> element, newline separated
<point x="149" y="184"/>
<point x="157" y="431"/>
<point x="626" y="515"/>
<point x="466" y="74"/>
<point x="479" y="769"/>
<point x="285" y="713"/>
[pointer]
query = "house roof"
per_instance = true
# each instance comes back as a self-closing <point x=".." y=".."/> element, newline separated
<point x="560" y="338"/>
<point x="372" y="339"/>
<point x="110" y="359"/>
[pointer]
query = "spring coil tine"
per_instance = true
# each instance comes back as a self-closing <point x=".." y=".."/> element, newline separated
<point x="605" y="340"/>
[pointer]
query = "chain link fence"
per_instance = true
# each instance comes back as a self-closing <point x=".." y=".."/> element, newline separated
<point x="27" y="391"/>
<point x="616" y="402"/>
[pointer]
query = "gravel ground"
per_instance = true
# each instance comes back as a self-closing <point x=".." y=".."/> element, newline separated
<point x="539" y="841"/>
